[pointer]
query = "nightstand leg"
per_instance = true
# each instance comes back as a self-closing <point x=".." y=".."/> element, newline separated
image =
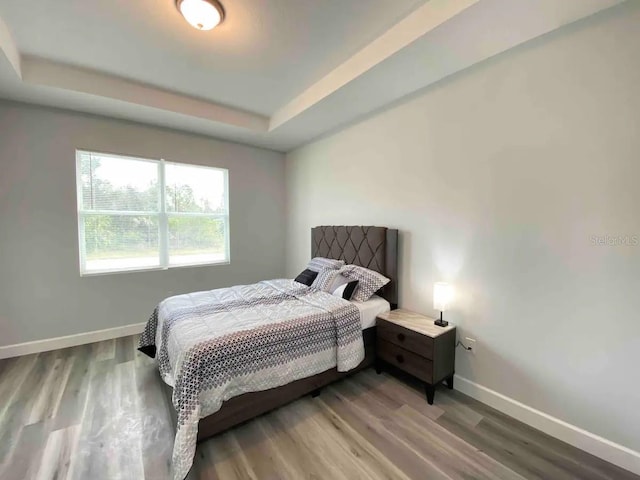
<point x="449" y="382"/>
<point x="431" y="392"/>
<point x="378" y="367"/>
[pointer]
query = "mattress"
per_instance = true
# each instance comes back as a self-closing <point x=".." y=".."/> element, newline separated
<point x="370" y="309"/>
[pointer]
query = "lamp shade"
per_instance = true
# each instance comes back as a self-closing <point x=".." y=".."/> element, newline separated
<point x="442" y="296"/>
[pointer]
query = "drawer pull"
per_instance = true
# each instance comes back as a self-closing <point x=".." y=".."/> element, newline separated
<point x="399" y="358"/>
<point x="401" y="337"/>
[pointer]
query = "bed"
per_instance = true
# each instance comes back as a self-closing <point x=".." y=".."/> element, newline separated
<point x="317" y="340"/>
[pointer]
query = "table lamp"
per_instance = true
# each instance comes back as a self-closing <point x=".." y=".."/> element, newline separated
<point x="442" y="297"/>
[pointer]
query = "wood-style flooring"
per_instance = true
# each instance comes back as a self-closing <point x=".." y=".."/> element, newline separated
<point x="99" y="412"/>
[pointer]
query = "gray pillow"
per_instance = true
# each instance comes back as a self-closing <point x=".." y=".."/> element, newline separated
<point x="325" y="279"/>
<point x="318" y="264"/>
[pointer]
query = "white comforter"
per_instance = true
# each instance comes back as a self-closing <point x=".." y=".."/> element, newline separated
<point x="215" y="345"/>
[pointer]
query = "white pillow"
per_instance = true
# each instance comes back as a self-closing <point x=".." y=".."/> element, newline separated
<point x="369" y="281"/>
<point x="345" y="290"/>
<point x="333" y="282"/>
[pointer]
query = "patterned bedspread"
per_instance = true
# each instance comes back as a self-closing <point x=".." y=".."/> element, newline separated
<point x="212" y="346"/>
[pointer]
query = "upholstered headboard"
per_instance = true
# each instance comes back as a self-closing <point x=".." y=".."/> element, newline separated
<point x="375" y="248"/>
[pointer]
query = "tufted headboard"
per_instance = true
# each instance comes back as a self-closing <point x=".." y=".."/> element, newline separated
<point x="375" y="248"/>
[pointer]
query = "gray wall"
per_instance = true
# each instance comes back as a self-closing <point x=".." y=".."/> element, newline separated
<point x="498" y="178"/>
<point x="41" y="292"/>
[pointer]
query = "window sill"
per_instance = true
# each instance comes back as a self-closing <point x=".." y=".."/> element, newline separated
<point x="97" y="273"/>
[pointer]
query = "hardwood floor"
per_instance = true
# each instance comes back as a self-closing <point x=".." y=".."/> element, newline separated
<point x="99" y="412"/>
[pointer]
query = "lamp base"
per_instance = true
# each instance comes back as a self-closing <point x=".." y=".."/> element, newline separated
<point x="441" y="323"/>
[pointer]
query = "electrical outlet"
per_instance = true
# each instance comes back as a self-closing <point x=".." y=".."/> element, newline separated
<point x="471" y="344"/>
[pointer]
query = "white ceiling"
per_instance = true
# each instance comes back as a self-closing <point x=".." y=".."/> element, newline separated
<point x="276" y="73"/>
<point x="261" y="56"/>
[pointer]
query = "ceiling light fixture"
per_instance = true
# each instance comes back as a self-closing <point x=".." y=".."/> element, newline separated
<point x="201" y="14"/>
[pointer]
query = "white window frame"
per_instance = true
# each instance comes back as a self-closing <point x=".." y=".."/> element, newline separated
<point x="161" y="214"/>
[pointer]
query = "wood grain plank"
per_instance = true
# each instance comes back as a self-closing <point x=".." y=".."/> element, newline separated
<point x="105" y="350"/>
<point x="368" y="425"/>
<point x="259" y="452"/>
<point x="73" y="399"/>
<point x="56" y="457"/>
<point x="13" y="374"/>
<point x="154" y="410"/>
<point x="454" y="408"/>
<point x="203" y="468"/>
<point x="341" y="460"/>
<point x="395" y="394"/>
<point x="549" y="457"/>
<point x="514" y="457"/>
<point x="96" y="455"/>
<point x="126" y="430"/>
<point x="228" y="458"/>
<point x="125" y="349"/>
<point x="419" y="434"/>
<point x="437" y="443"/>
<point x="284" y="452"/>
<point x="48" y="397"/>
<point x="23" y="459"/>
<point x="529" y="436"/>
<point x="348" y="438"/>
<point x="17" y="411"/>
<point x="316" y="448"/>
<point x="103" y="414"/>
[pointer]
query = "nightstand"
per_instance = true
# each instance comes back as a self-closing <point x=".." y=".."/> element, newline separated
<point x="412" y="343"/>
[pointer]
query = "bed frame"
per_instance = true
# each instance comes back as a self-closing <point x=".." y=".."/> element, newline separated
<point x="375" y="248"/>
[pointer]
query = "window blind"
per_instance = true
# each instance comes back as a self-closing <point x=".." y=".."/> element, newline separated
<point x="136" y="214"/>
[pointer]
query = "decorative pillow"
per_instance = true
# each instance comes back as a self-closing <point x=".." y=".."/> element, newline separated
<point x="307" y="277"/>
<point x="331" y="281"/>
<point x="345" y="290"/>
<point x="325" y="279"/>
<point x="321" y="263"/>
<point x="370" y="281"/>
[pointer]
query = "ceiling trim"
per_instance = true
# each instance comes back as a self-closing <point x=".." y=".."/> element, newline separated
<point x="38" y="71"/>
<point x="8" y="47"/>
<point x="43" y="72"/>
<point x="424" y="19"/>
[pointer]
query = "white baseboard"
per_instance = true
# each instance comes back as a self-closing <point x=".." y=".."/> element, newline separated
<point x="600" y="447"/>
<point x="38" y="346"/>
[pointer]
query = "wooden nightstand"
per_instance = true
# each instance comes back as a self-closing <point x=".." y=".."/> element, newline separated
<point x="412" y="343"/>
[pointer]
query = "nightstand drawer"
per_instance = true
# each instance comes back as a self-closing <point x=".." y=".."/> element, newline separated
<point x="405" y="338"/>
<point x="405" y="360"/>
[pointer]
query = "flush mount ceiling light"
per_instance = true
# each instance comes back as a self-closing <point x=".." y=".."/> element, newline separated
<point x="201" y="14"/>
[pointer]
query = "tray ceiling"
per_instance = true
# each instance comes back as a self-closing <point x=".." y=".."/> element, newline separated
<point x="275" y="73"/>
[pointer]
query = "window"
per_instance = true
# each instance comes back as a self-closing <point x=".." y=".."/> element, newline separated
<point x="138" y="214"/>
